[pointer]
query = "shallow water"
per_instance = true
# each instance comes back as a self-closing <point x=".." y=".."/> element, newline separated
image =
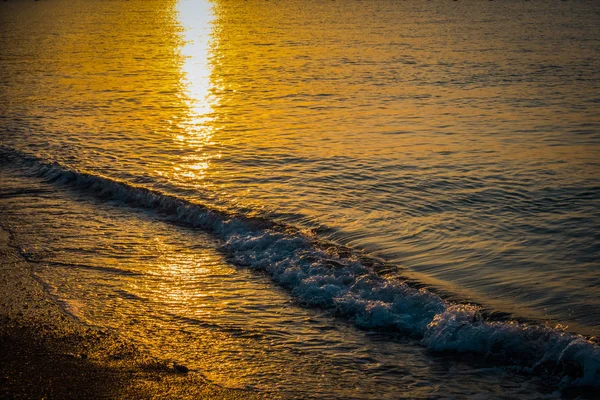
<point x="451" y="143"/>
<point x="170" y="290"/>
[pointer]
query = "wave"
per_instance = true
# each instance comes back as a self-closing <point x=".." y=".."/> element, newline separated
<point x="319" y="276"/>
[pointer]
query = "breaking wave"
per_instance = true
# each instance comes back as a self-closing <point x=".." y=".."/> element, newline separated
<point x="319" y="276"/>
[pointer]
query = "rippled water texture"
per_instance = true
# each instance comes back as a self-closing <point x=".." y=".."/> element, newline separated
<point x="456" y="143"/>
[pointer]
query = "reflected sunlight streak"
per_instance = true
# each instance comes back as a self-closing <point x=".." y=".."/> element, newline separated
<point x="196" y="19"/>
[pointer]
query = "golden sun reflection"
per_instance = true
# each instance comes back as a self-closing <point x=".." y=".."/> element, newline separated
<point x="196" y="131"/>
<point x="176" y="270"/>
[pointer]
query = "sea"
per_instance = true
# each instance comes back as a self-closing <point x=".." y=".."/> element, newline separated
<point x="316" y="199"/>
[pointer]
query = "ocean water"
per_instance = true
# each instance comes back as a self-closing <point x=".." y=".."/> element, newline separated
<point x="316" y="199"/>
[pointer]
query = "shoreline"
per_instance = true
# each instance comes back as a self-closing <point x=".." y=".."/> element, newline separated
<point x="46" y="353"/>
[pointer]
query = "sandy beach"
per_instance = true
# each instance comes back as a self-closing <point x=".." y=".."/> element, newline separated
<point x="45" y="353"/>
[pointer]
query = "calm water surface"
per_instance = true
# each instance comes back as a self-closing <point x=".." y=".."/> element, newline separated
<point x="453" y="143"/>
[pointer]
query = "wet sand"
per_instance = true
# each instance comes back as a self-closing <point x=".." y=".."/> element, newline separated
<point x="45" y="353"/>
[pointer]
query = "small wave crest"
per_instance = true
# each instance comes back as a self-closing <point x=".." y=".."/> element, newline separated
<point x="318" y="276"/>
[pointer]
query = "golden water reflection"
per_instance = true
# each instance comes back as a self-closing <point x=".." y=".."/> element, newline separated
<point x="196" y="130"/>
